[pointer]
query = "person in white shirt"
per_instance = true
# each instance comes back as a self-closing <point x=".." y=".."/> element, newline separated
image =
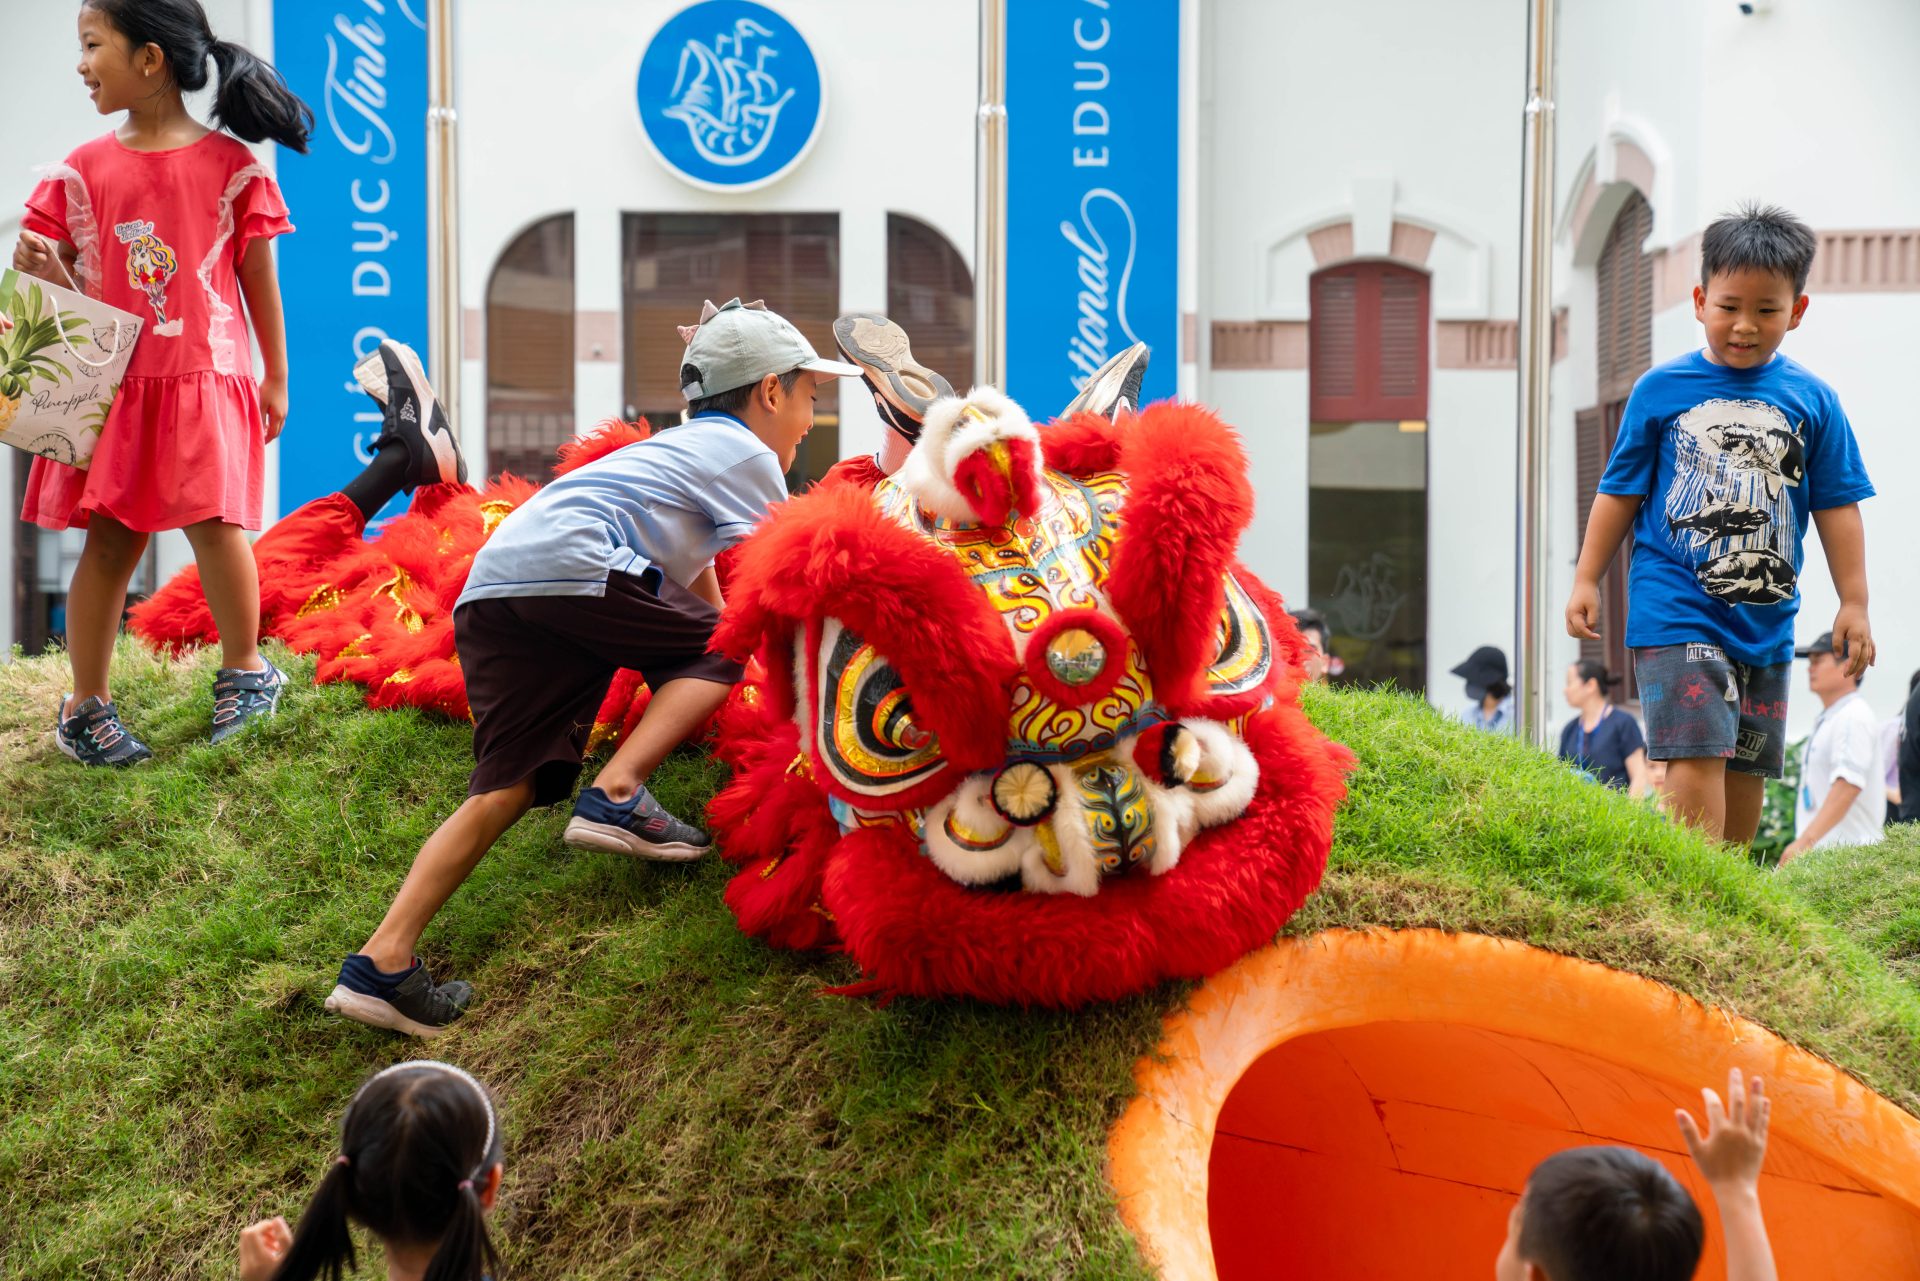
<point x="1843" y="782"/>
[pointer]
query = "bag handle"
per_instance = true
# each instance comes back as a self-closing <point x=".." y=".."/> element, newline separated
<point x="61" y="329"/>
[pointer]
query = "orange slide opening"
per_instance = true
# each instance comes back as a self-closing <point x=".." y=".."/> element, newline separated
<point x="1362" y="1105"/>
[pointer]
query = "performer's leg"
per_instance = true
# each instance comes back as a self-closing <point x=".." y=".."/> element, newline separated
<point x="382" y="478"/>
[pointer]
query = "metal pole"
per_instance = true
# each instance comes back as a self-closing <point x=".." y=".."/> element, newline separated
<point x="1531" y="613"/>
<point x="443" y="216"/>
<point x="990" y="202"/>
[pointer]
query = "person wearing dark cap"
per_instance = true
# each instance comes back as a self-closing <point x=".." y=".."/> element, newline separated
<point x="1489" y="696"/>
<point x="607" y="567"/>
<point x="1843" y="781"/>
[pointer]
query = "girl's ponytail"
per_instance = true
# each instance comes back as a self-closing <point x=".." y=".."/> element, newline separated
<point x="466" y="1252"/>
<point x="322" y="1243"/>
<point x="254" y="103"/>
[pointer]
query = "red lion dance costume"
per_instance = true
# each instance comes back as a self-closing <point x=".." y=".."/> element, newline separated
<point x="1017" y="724"/>
<point x="1022" y="728"/>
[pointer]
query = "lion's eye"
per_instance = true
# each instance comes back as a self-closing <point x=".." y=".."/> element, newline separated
<point x="1246" y="648"/>
<point x="869" y="736"/>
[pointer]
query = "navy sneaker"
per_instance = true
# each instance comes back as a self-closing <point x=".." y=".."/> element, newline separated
<point x="409" y="1001"/>
<point x="641" y="827"/>
<point x="93" y="735"/>
<point x="240" y="696"/>
<point x="393" y="376"/>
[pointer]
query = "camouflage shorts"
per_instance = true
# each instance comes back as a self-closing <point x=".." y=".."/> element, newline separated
<point x="1697" y="702"/>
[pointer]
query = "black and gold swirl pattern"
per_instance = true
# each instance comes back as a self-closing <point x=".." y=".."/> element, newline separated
<point x="869" y="737"/>
<point x="1246" y="646"/>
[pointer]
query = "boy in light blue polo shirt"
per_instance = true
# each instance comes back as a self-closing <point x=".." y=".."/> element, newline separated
<point x="608" y="567"/>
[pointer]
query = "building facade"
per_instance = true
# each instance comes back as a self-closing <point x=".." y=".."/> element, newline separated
<point x="1348" y="279"/>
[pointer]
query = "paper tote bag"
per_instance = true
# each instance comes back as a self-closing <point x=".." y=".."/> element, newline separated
<point x="62" y="356"/>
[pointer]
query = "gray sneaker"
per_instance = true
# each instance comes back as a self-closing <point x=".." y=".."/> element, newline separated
<point x="93" y="735"/>
<point x="639" y="826"/>
<point x="240" y="696"/>
<point x="411" y="1002"/>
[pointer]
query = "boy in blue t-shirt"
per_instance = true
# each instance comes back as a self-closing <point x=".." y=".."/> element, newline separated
<point x="1735" y="446"/>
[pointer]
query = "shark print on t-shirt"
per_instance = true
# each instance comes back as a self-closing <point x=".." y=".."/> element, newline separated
<point x="1729" y="465"/>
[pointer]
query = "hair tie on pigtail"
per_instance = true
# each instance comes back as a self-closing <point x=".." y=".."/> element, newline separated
<point x="341" y="1160"/>
<point x="465" y="1185"/>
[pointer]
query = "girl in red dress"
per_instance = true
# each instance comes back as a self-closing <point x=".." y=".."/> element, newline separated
<point x="170" y="220"/>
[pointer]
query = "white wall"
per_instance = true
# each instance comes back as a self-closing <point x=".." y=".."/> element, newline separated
<point x="548" y="124"/>
<point x="1320" y="113"/>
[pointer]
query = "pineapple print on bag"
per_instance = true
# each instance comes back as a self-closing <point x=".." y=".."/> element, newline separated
<point x="151" y="263"/>
<point x="25" y="337"/>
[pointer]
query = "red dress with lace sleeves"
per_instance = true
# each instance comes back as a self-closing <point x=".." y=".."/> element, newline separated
<point x="161" y="234"/>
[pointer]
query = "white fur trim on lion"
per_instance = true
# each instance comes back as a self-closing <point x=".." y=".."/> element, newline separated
<point x="970" y="842"/>
<point x="955" y="428"/>
<point x="1223" y="784"/>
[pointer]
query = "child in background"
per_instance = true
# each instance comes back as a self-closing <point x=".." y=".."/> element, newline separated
<point x="170" y="220"/>
<point x="1721" y="457"/>
<point x="419" y="1167"/>
<point x="1613" y="1214"/>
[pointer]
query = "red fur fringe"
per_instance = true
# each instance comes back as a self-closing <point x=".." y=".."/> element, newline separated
<point x="379" y="613"/>
<point x="1082" y="445"/>
<point x="830" y="552"/>
<point x="1188" y="500"/>
<point x="606" y="436"/>
<point x="916" y="932"/>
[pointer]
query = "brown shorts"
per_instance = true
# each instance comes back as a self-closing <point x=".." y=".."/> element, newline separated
<point x="537" y="668"/>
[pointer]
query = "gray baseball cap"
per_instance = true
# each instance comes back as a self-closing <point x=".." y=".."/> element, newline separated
<point x="742" y="343"/>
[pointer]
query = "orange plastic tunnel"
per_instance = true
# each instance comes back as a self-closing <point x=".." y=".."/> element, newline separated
<point x="1368" y="1105"/>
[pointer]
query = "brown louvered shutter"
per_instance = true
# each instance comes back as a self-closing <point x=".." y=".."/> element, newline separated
<point x="1333" y="346"/>
<point x="1589" y="460"/>
<point x="1367" y="344"/>
<point x="1623" y="306"/>
<point x="930" y="294"/>
<point x="1625" y="301"/>
<point x="530" y="349"/>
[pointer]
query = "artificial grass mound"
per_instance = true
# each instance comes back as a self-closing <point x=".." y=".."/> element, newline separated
<point x="681" y="1101"/>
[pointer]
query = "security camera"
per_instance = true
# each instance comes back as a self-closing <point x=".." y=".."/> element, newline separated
<point x="1750" y="7"/>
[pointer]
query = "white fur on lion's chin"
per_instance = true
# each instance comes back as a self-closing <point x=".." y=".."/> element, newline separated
<point x="948" y="436"/>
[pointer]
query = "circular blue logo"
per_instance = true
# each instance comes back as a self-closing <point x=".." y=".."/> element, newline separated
<point x="730" y="95"/>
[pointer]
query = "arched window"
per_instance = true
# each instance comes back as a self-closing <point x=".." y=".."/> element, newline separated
<point x="1623" y="350"/>
<point x="1367" y="468"/>
<point x="930" y="295"/>
<point x="673" y="262"/>
<point x="530" y="349"/>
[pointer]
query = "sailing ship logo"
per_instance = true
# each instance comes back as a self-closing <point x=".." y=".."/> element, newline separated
<point x="730" y="95"/>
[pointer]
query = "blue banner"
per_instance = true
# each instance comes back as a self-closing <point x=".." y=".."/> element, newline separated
<point x="355" y="271"/>
<point x="1093" y="193"/>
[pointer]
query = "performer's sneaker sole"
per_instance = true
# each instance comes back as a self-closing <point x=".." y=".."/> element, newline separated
<point x="375" y="1012"/>
<point x="584" y="834"/>
<point x="880" y="347"/>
